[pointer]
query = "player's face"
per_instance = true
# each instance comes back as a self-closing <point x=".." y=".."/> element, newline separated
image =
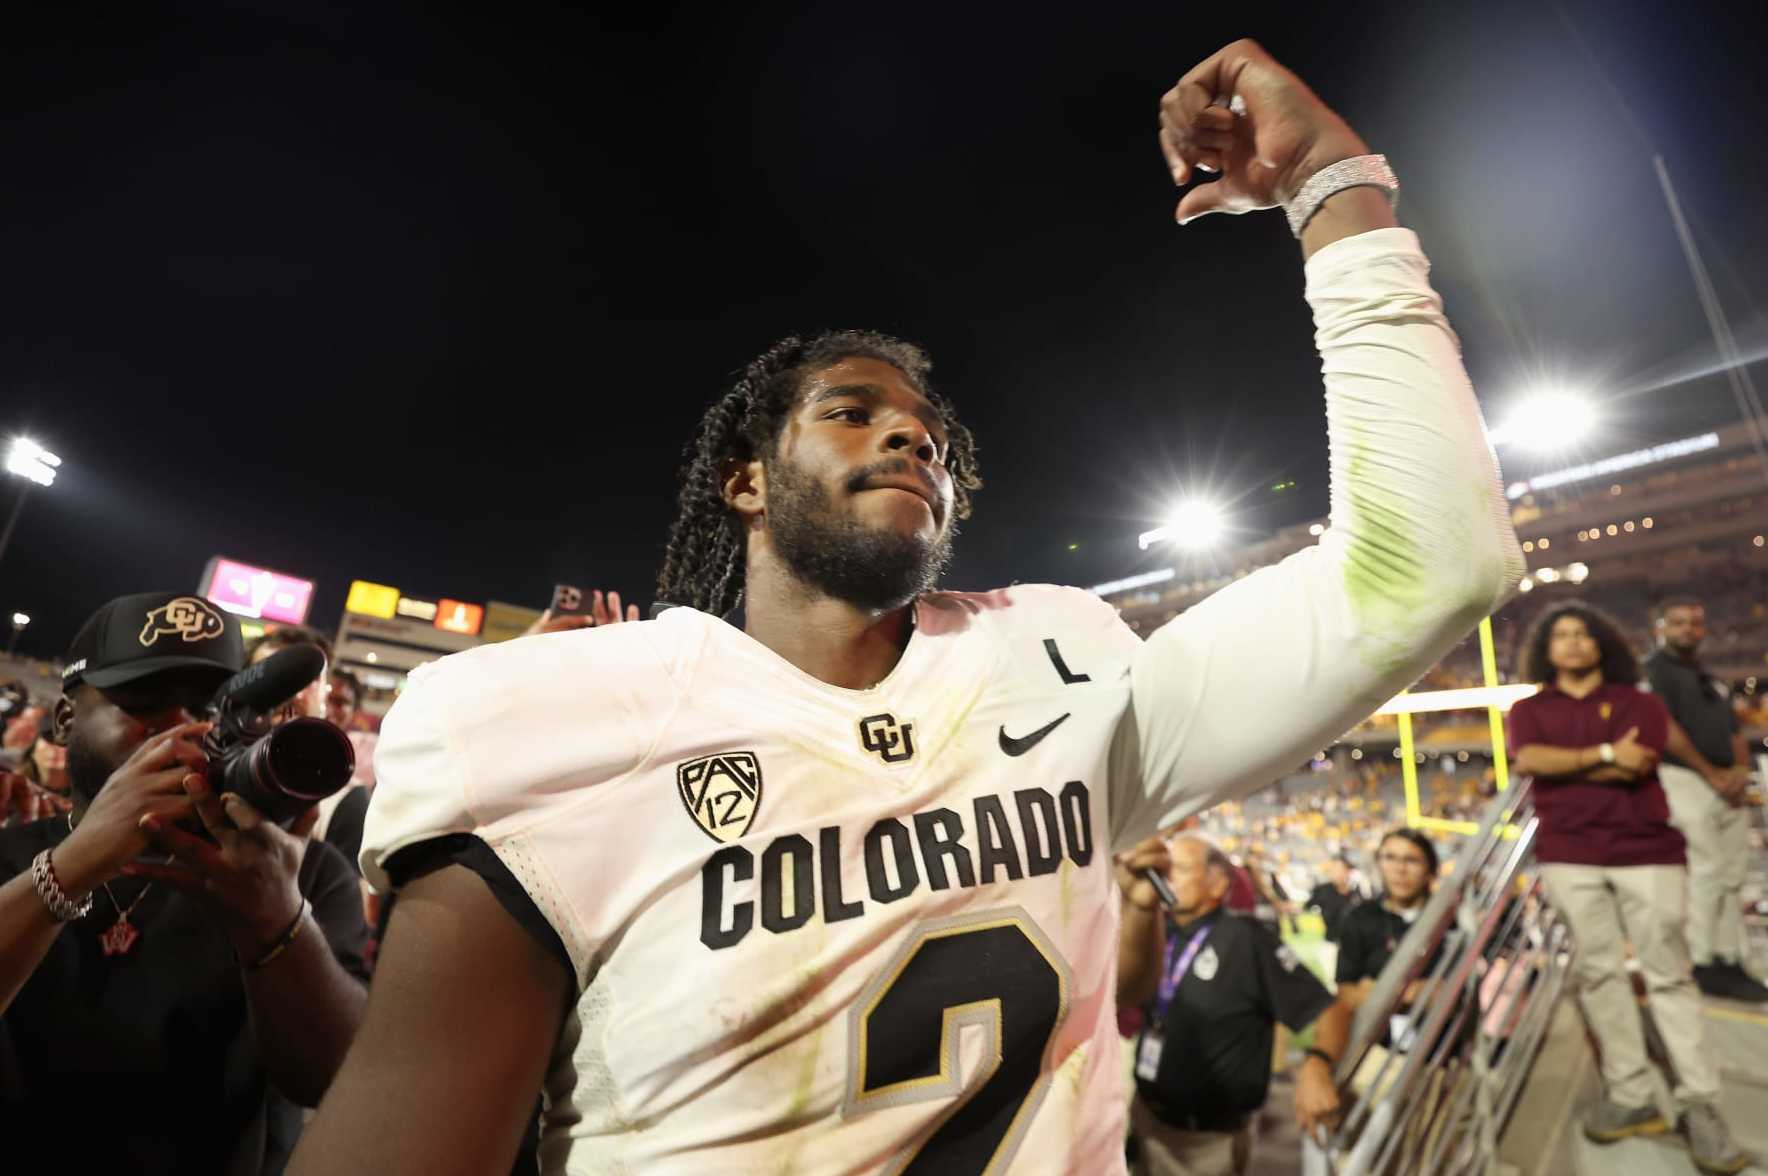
<point x="859" y="500"/>
<point x="1571" y="646"/>
<point x="1683" y="627"/>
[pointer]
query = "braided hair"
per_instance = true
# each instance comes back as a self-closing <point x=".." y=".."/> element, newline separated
<point x="703" y="565"/>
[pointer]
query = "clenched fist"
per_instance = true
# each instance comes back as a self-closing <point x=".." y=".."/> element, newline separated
<point x="1242" y="115"/>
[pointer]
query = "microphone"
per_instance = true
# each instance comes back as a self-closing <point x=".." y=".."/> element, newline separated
<point x="273" y="681"/>
<point x="1164" y="892"/>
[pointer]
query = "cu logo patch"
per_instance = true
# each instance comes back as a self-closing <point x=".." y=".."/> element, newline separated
<point x="889" y="740"/>
<point x="721" y="792"/>
<point x="189" y="617"/>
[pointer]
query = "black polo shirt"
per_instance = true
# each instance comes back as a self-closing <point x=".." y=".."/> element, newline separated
<point x="145" y="1062"/>
<point x="1215" y="1058"/>
<point x="1698" y="701"/>
<point x="1368" y="937"/>
<point x="1333" y="906"/>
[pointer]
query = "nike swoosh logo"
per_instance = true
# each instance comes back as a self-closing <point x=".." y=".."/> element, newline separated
<point x="1025" y="743"/>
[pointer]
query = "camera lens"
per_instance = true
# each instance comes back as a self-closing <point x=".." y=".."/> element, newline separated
<point x="307" y="759"/>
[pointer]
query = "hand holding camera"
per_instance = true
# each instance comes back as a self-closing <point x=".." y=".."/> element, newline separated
<point x="150" y="786"/>
<point x="231" y="780"/>
<point x="245" y="869"/>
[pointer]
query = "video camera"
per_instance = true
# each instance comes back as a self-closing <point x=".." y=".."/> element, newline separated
<point x="280" y="769"/>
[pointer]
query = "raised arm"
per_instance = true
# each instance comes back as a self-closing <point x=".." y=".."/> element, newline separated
<point x="1420" y="547"/>
<point x="458" y="977"/>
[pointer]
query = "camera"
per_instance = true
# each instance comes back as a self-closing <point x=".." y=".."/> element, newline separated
<point x="280" y="769"/>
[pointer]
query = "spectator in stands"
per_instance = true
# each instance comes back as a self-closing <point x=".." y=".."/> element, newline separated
<point x="341" y="814"/>
<point x="1335" y="895"/>
<point x="14" y="700"/>
<point x="33" y="778"/>
<point x="1370" y="932"/>
<point x="343" y="707"/>
<point x="1614" y="866"/>
<point x="343" y="694"/>
<point x="155" y="1014"/>
<point x="21" y="720"/>
<point x="1706" y="781"/>
<point x="1272" y="906"/>
<point x="1214" y="985"/>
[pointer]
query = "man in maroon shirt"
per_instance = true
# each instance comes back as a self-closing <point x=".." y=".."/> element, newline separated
<point x="1615" y="867"/>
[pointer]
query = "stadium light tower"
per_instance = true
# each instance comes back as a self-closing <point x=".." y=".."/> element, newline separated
<point x="1195" y="524"/>
<point x="1546" y="420"/>
<point x="36" y="465"/>
<point x="19" y="621"/>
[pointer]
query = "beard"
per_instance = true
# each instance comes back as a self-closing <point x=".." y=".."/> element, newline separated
<point x="869" y="568"/>
<point x="87" y="770"/>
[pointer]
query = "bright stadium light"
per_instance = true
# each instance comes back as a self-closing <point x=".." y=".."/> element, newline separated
<point x="1547" y="421"/>
<point x="20" y="620"/>
<point x="30" y="460"/>
<point x="1194" y="524"/>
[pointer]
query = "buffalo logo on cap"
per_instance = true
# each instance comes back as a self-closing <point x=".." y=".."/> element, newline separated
<point x="190" y="617"/>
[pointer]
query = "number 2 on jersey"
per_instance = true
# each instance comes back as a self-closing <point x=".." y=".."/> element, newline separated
<point x="995" y="970"/>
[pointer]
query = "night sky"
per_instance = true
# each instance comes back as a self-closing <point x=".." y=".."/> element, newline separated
<point x="381" y="292"/>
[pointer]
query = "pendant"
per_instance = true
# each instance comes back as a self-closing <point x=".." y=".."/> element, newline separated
<point x="119" y="937"/>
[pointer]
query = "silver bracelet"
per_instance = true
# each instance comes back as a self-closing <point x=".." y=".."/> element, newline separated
<point x="1359" y="171"/>
<point x="65" y="909"/>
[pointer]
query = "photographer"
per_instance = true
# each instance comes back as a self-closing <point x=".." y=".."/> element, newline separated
<point x="167" y="955"/>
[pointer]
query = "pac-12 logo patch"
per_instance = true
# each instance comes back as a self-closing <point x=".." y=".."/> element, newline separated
<point x="889" y="740"/>
<point x="721" y="792"/>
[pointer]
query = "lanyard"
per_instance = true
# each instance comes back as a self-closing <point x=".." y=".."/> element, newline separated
<point x="1171" y="975"/>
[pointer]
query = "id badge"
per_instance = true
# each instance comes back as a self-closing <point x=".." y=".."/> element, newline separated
<point x="1148" y="1056"/>
<point x="1402" y="1031"/>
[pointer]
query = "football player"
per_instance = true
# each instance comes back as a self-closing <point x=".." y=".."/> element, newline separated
<point x="813" y="874"/>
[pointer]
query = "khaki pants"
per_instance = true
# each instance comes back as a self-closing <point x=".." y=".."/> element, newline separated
<point x="1168" y="1151"/>
<point x="1606" y="906"/>
<point x="1718" y="839"/>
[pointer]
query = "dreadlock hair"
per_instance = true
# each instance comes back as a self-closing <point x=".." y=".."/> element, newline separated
<point x="703" y="566"/>
<point x="1618" y="664"/>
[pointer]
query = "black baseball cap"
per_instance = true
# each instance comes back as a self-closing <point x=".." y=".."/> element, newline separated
<point x="134" y="636"/>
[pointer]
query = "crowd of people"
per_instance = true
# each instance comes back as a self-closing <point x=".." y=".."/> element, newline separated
<point x="1658" y="868"/>
<point x="1641" y="778"/>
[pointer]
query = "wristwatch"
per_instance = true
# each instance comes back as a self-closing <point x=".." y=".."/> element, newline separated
<point x="1607" y="752"/>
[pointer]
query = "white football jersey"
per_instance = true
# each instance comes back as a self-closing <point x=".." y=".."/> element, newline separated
<point x="826" y="930"/>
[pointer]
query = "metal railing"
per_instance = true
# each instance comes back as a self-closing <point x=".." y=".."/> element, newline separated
<point x="1431" y="1080"/>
